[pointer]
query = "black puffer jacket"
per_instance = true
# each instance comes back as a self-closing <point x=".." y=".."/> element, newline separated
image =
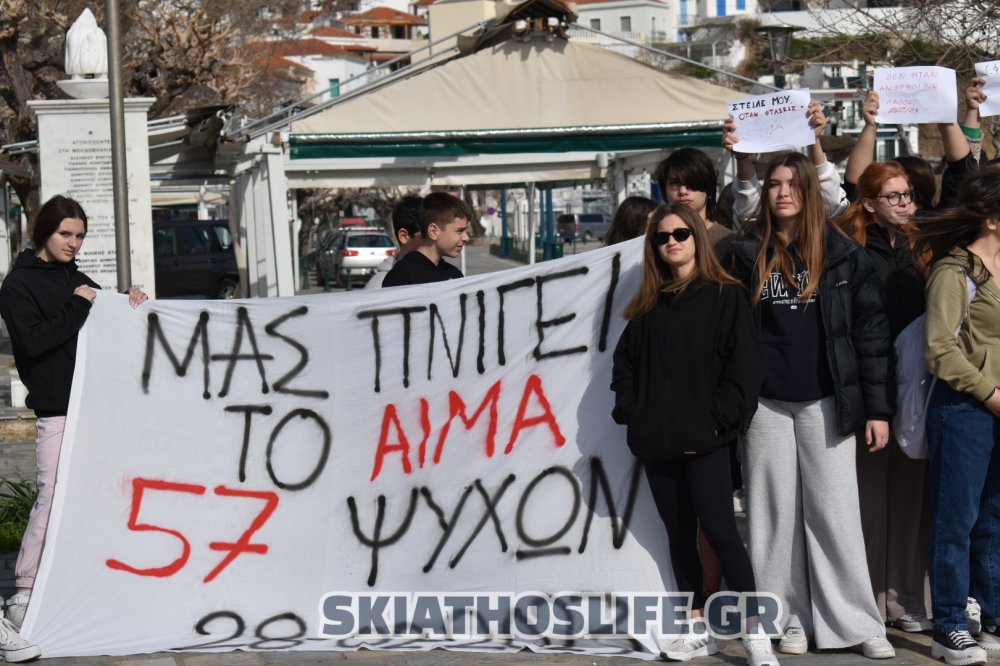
<point x="858" y="346"/>
<point x="686" y="374"/>
<point x="43" y="317"/>
<point x="901" y="280"/>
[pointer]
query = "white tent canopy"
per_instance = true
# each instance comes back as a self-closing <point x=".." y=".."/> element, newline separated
<point x="514" y="112"/>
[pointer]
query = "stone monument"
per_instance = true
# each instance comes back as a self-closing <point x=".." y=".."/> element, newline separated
<point x="74" y="146"/>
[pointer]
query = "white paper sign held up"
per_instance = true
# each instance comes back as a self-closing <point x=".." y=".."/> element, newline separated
<point x="991" y="72"/>
<point x="776" y="121"/>
<point x="916" y="95"/>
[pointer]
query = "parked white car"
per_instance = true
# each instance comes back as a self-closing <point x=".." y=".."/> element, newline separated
<point x="355" y="253"/>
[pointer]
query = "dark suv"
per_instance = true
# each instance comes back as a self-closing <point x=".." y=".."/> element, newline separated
<point x="583" y="226"/>
<point x="195" y="258"/>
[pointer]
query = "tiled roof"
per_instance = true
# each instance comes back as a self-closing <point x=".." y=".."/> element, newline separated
<point x="385" y="15"/>
<point x="301" y="47"/>
<point x="330" y="31"/>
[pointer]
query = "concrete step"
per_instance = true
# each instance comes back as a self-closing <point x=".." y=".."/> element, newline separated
<point x="16" y="424"/>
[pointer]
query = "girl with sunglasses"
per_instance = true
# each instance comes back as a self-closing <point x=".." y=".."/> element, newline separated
<point x="895" y="509"/>
<point x="685" y="398"/>
<point x="825" y="343"/>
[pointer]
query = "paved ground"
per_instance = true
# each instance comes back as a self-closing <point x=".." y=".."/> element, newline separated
<point x="17" y="458"/>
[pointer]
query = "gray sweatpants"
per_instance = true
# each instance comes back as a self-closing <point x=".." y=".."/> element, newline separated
<point x="806" y="543"/>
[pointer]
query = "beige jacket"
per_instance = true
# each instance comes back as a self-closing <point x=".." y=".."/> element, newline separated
<point x="969" y="362"/>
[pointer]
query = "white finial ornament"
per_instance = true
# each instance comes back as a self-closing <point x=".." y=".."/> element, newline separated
<point x="86" y="48"/>
<point x="86" y="59"/>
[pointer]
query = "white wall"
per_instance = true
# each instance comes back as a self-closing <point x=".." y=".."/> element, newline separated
<point x="326" y="68"/>
<point x="646" y="17"/>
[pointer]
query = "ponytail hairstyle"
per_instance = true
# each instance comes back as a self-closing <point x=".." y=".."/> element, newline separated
<point x="856" y="219"/>
<point x="656" y="276"/>
<point x="810" y="235"/>
<point x="978" y="201"/>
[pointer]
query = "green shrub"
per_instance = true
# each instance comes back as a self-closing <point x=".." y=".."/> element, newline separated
<point x="10" y="538"/>
<point x="16" y="499"/>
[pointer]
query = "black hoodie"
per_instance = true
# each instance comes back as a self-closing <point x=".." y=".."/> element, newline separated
<point x="43" y="317"/>
<point x="687" y="373"/>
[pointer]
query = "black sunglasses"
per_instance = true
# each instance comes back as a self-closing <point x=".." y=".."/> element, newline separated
<point x="680" y="235"/>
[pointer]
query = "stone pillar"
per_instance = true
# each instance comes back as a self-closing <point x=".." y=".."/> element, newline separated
<point x="74" y="150"/>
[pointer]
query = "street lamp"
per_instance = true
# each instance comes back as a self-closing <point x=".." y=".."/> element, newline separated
<point x="779" y="40"/>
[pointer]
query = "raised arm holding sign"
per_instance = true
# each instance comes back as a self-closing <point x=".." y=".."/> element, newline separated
<point x="916" y="95"/>
<point x="776" y="121"/>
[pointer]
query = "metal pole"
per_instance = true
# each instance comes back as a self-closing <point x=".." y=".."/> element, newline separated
<point x="550" y="226"/>
<point x="504" y="232"/>
<point x="531" y="223"/>
<point x="461" y="255"/>
<point x="123" y="252"/>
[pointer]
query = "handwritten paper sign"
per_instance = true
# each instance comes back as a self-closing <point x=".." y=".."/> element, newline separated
<point x="916" y="95"/>
<point x="230" y="467"/>
<point x="991" y="72"/>
<point x="776" y="121"/>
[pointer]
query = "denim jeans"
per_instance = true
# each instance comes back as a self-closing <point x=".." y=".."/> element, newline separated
<point x="964" y="440"/>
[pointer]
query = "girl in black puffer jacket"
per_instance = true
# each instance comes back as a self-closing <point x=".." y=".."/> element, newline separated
<point x="825" y="344"/>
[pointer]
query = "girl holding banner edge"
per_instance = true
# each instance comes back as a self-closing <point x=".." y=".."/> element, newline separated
<point x="825" y="337"/>
<point x="44" y="302"/>
<point x="684" y="398"/>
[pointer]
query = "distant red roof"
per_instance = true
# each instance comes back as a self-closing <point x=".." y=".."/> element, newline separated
<point x="282" y="68"/>
<point x="330" y="31"/>
<point x="384" y="16"/>
<point x="422" y="3"/>
<point x="304" y="47"/>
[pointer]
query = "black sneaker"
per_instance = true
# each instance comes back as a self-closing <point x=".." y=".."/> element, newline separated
<point x="957" y="648"/>
<point x="989" y="638"/>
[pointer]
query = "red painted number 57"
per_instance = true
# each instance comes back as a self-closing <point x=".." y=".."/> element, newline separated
<point x="232" y="550"/>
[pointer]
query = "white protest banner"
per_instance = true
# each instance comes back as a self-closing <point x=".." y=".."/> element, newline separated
<point x="991" y="72"/>
<point x="776" y="121"/>
<point x="247" y="474"/>
<point x="916" y="95"/>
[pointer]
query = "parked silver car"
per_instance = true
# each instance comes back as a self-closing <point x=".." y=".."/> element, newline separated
<point x="355" y="252"/>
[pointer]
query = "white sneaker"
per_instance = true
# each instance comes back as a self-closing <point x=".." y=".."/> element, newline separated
<point x="16" y="607"/>
<point x="877" y="647"/>
<point x="957" y="648"/>
<point x="913" y="623"/>
<point x="759" y="651"/>
<point x="13" y="648"/>
<point x="973" y="616"/>
<point x="739" y="501"/>
<point x="691" y="647"/>
<point x="794" y="641"/>
<point x="989" y="638"/>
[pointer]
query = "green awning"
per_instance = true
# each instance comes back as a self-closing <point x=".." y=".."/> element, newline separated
<point x="314" y="147"/>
